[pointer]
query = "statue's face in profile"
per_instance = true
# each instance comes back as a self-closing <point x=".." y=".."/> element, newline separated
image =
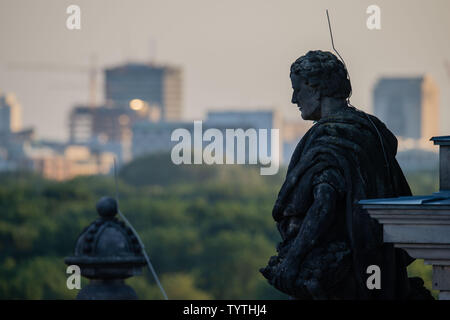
<point x="306" y="98"/>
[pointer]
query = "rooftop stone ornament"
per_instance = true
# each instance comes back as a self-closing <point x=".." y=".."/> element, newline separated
<point x="107" y="253"/>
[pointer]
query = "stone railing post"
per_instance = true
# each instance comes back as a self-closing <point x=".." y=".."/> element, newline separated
<point x="107" y="253"/>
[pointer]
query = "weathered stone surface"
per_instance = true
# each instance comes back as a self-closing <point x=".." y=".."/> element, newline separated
<point x="107" y="252"/>
<point x="328" y="241"/>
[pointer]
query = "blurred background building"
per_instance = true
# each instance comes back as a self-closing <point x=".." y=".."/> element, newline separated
<point x="153" y="137"/>
<point x="109" y="128"/>
<point x="143" y="106"/>
<point x="20" y="150"/>
<point x="159" y="86"/>
<point x="409" y="106"/>
<point x="12" y="137"/>
<point x="68" y="162"/>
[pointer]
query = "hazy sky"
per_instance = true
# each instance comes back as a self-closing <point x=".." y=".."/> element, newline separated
<point x="235" y="53"/>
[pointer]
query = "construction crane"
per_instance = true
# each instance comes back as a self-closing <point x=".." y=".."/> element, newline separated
<point x="92" y="70"/>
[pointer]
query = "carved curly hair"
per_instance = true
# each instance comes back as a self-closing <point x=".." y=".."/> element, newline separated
<point x="323" y="70"/>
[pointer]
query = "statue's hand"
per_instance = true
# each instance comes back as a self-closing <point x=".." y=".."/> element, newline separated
<point x="268" y="271"/>
<point x="283" y="275"/>
<point x="282" y="270"/>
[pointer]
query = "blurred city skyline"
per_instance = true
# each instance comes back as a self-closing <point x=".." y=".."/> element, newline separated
<point x="233" y="54"/>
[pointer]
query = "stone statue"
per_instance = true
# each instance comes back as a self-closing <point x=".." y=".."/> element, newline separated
<point x="328" y="240"/>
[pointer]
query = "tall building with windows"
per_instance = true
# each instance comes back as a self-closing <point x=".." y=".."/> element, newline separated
<point x="159" y="86"/>
<point x="109" y="128"/>
<point x="409" y="106"/>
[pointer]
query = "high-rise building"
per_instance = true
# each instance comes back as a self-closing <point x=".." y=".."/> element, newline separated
<point x="408" y="106"/>
<point x="159" y="86"/>
<point x="103" y="123"/>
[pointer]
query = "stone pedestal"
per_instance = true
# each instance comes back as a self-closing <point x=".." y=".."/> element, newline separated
<point x="423" y="230"/>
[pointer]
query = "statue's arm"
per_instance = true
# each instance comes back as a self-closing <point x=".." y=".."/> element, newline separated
<point x="317" y="222"/>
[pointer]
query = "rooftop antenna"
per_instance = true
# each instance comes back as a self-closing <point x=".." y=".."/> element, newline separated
<point x="149" y="264"/>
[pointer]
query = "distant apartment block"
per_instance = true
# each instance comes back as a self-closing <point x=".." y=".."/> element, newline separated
<point x="408" y="106"/>
<point x="257" y="119"/>
<point x="107" y="124"/>
<point x="151" y="138"/>
<point x="70" y="162"/>
<point x="107" y="128"/>
<point x="159" y="86"/>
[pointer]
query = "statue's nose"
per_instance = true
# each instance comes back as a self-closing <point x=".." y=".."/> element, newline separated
<point x="294" y="99"/>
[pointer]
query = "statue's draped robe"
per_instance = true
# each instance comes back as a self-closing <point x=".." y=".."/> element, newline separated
<point x="344" y="151"/>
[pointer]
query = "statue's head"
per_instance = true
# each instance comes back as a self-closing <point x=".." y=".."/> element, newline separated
<point x="316" y="75"/>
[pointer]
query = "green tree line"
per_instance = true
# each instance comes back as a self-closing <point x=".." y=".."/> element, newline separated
<point x="207" y="229"/>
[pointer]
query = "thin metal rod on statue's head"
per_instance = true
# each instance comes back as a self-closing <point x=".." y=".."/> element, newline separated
<point x="335" y="50"/>
<point x="147" y="259"/>
<point x="332" y="41"/>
